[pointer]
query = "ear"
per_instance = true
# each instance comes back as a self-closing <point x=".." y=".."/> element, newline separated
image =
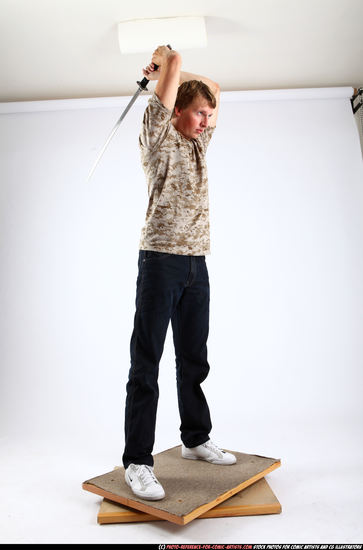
<point x="177" y="111"/>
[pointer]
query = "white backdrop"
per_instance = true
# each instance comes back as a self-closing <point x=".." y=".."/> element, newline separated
<point x="285" y="344"/>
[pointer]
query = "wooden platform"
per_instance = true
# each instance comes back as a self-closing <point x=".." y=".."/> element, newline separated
<point x="192" y="487"/>
<point x="257" y="499"/>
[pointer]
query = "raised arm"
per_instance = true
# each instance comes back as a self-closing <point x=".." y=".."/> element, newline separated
<point x="169" y="62"/>
<point x="169" y="77"/>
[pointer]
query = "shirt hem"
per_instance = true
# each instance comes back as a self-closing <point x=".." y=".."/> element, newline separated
<point x="168" y="251"/>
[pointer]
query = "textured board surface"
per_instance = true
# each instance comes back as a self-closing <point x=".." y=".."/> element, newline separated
<point x="257" y="499"/>
<point x="192" y="487"/>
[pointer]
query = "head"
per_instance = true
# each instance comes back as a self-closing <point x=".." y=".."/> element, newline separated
<point x="193" y="108"/>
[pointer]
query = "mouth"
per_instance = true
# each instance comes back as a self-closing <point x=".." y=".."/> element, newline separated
<point x="199" y="130"/>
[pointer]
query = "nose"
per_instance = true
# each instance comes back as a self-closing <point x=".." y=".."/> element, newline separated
<point x="205" y="121"/>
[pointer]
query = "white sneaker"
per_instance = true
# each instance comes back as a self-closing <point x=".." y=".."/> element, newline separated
<point x="143" y="483"/>
<point x="210" y="452"/>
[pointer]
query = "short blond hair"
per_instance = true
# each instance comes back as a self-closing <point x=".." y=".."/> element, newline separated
<point x="187" y="91"/>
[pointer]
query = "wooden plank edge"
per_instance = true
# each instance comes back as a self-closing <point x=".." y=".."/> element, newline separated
<point x="205" y="507"/>
<point x="233" y="511"/>
<point x="227" y="511"/>
<point x="133" y="503"/>
<point x="114" y="517"/>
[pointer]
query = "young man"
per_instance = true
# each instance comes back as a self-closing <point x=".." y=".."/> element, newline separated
<point x="172" y="282"/>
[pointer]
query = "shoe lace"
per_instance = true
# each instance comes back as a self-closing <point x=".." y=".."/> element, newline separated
<point x="210" y="445"/>
<point x="147" y="475"/>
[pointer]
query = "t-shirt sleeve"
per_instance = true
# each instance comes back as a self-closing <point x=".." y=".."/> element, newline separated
<point x="155" y="124"/>
<point x="205" y="138"/>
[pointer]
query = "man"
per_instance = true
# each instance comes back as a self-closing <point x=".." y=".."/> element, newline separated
<point x="172" y="280"/>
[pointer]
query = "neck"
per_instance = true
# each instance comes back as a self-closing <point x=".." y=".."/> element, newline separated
<point x="174" y="122"/>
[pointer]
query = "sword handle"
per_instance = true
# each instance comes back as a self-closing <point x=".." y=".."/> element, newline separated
<point x="144" y="82"/>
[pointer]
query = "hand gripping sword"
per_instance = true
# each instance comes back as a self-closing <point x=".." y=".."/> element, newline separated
<point x="142" y="86"/>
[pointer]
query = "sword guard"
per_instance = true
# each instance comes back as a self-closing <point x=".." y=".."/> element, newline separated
<point x="144" y="82"/>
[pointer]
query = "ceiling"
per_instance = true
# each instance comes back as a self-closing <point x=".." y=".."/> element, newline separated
<point x="60" y="49"/>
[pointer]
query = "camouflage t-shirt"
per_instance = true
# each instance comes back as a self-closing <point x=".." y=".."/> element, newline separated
<point x="177" y="216"/>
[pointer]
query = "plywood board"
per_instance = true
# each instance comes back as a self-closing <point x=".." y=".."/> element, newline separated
<point x="257" y="499"/>
<point x="192" y="487"/>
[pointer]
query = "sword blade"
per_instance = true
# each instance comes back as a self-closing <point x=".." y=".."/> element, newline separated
<point x="113" y="131"/>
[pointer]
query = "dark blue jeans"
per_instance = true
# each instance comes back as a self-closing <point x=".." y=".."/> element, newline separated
<point x="176" y="287"/>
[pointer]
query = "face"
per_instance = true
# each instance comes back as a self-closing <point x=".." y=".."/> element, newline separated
<point x="194" y="119"/>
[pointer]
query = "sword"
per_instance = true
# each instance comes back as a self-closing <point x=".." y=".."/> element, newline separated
<point x="142" y="86"/>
